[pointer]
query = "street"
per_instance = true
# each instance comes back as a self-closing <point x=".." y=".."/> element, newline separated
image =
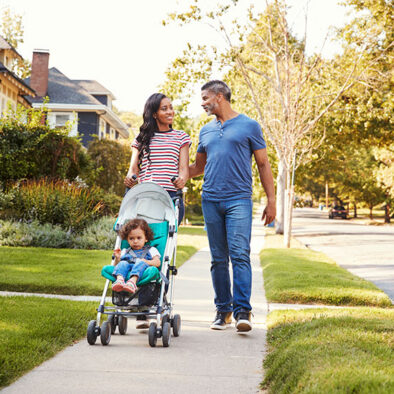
<point x="366" y="251"/>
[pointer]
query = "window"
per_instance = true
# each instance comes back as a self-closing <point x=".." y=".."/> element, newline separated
<point x="61" y="120"/>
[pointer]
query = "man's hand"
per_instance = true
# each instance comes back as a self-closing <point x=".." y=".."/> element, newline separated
<point x="130" y="182"/>
<point x="269" y="213"/>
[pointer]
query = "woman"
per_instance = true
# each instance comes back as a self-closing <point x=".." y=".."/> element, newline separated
<point x="160" y="153"/>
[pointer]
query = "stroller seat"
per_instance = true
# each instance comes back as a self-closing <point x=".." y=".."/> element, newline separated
<point x="160" y="232"/>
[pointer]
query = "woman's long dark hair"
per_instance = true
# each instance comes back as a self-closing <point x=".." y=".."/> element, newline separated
<point x="148" y="128"/>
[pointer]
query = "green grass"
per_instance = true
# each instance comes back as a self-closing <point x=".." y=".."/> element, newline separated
<point x="192" y="230"/>
<point x="34" y="329"/>
<point x="308" y="277"/>
<point x="60" y="271"/>
<point x="330" y="351"/>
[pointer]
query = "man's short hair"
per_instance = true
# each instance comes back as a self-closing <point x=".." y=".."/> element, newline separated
<point x="216" y="86"/>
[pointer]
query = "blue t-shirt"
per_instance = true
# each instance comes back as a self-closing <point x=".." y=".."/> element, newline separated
<point x="229" y="148"/>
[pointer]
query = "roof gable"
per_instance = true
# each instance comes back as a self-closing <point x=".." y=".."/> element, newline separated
<point x="93" y="87"/>
<point x="63" y="90"/>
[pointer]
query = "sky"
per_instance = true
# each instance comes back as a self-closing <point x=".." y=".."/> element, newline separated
<point x="123" y="45"/>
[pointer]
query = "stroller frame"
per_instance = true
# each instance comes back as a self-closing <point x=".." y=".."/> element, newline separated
<point x="162" y="311"/>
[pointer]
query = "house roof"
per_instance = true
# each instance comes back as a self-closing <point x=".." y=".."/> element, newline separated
<point x="26" y="89"/>
<point x="4" y="44"/>
<point x="70" y="95"/>
<point x="93" y="87"/>
<point x="64" y="90"/>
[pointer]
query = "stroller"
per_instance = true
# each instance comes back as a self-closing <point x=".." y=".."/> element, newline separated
<point x="153" y="298"/>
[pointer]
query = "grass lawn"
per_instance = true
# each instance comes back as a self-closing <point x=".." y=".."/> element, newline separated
<point x="302" y="276"/>
<point x="192" y="235"/>
<point x="34" y="329"/>
<point x="60" y="271"/>
<point x="330" y="351"/>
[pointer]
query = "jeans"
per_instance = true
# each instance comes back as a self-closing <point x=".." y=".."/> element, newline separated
<point x="181" y="206"/>
<point x="229" y="227"/>
<point x="123" y="268"/>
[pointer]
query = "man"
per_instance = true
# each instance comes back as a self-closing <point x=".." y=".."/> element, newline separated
<point x="224" y="153"/>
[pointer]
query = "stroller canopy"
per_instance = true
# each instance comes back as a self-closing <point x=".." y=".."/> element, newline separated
<point x="147" y="201"/>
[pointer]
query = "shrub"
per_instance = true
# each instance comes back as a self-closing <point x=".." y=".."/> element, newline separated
<point x="31" y="149"/>
<point x="56" y="202"/>
<point x="34" y="234"/>
<point x="99" y="235"/>
<point x="111" y="162"/>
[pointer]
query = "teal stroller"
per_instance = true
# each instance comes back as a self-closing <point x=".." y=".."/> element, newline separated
<point x="153" y="298"/>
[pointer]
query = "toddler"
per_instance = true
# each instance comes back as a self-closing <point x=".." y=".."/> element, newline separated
<point x="137" y="258"/>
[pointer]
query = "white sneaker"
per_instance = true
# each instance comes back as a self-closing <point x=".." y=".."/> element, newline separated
<point x="243" y="323"/>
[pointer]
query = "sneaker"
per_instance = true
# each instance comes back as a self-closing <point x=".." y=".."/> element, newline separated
<point x="243" y="323"/>
<point x="118" y="285"/>
<point x="130" y="287"/>
<point x="221" y="320"/>
<point x="142" y="322"/>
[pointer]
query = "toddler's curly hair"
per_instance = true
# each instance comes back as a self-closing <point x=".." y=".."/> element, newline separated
<point x="132" y="225"/>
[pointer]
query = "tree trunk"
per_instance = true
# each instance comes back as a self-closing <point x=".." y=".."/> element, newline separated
<point x="387" y="213"/>
<point x="370" y="212"/>
<point x="355" y="209"/>
<point x="280" y="197"/>
<point x="288" y="211"/>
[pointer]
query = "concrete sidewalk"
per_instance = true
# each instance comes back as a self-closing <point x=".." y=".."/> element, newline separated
<point x="199" y="361"/>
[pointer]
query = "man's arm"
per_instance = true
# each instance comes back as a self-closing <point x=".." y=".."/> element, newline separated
<point x="267" y="181"/>
<point x="197" y="168"/>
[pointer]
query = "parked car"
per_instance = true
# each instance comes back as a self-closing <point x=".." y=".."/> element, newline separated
<point x="337" y="211"/>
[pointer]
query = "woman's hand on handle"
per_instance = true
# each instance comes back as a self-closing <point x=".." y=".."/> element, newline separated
<point x="179" y="182"/>
<point x="130" y="181"/>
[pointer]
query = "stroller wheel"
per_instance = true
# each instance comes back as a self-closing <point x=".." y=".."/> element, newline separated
<point x="152" y="334"/>
<point x="122" y="323"/>
<point x="166" y="334"/>
<point x="105" y="335"/>
<point x="164" y="320"/>
<point x="92" y="332"/>
<point x="176" y="325"/>
<point x="112" y="321"/>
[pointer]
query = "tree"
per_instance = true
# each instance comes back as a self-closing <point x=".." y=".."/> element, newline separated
<point x="12" y="30"/>
<point x="290" y="91"/>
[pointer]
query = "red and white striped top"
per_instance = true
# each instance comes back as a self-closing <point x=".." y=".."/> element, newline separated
<point x="164" y="156"/>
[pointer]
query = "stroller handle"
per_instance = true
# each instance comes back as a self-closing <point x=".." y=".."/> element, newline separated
<point x="179" y="191"/>
<point x="134" y="178"/>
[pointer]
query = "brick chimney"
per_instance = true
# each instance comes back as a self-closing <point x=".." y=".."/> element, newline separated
<point x="39" y="72"/>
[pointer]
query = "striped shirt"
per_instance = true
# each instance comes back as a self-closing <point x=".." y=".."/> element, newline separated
<point x="164" y="155"/>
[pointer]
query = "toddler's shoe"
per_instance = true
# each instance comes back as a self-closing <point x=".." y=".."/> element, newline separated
<point x="118" y="285"/>
<point x="130" y="287"/>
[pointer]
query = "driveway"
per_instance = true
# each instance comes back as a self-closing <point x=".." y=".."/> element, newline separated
<point x="366" y="251"/>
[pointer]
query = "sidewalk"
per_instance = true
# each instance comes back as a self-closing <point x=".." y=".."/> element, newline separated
<point x="199" y="361"/>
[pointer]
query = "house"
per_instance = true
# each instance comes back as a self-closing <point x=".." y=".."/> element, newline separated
<point x="86" y="103"/>
<point x="12" y="88"/>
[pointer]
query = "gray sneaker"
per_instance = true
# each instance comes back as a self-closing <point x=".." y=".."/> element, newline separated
<point x="221" y="321"/>
<point x="243" y="323"/>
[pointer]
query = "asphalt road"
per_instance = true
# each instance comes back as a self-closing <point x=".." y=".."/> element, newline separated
<point x="365" y="250"/>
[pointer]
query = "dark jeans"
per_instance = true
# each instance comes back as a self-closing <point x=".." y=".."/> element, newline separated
<point x="229" y="227"/>
<point x="181" y="206"/>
